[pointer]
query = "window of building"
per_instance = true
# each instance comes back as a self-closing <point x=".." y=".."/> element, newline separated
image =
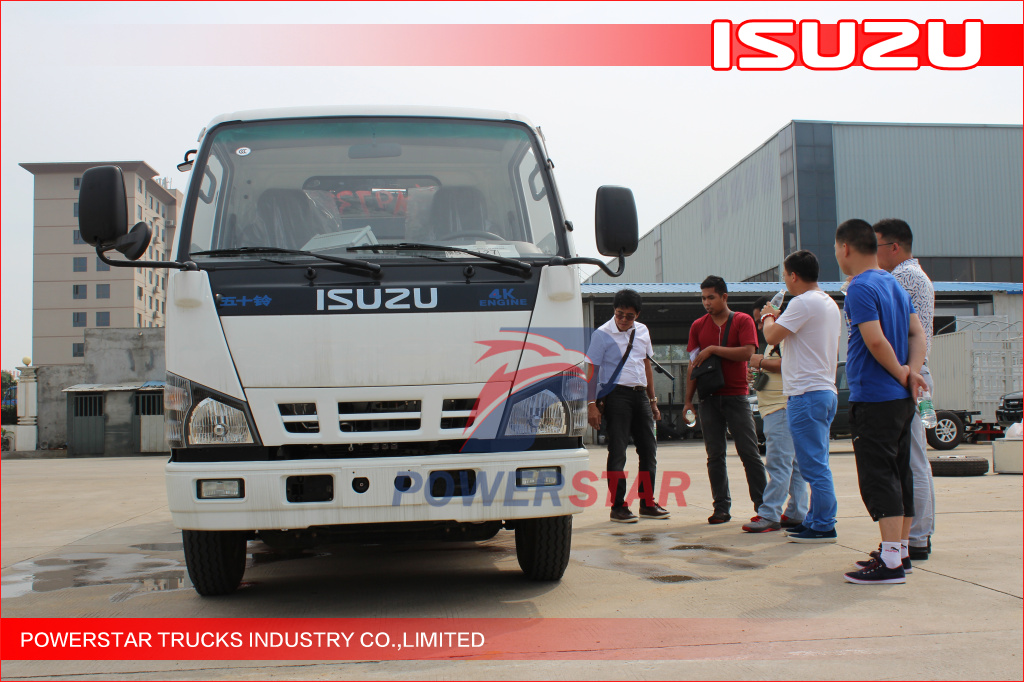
<point x="163" y="234"/>
<point x="76" y="209"/>
<point x="79" y="291"/>
<point x="138" y="319"/>
<point x="103" y="318"/>
<point x="101" y="266"/>
<point x="151" y="272"/>
<point x="78" y="350"/>
<point x="138" y="293"/>
<point x="163" y="306"/>
<point x="78" y="183"/>
<point x="76" y="237"/>
<point x="150" y="302"/>
<point x="138" y="212"/>
<point x="163" y="282"/>
<point x="151" y="201"/>
<point x="102" y="291"/>
<point x="79" y="264"/>
<point x="163" y="211"/>
<point x="77" y="319"/>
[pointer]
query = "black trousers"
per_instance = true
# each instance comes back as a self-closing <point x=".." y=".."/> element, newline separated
<point x="881" y="446"/>
<point x="628" y="412"/>
<point x="733" y="411"/>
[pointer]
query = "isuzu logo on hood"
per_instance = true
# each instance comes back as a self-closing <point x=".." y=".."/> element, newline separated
<point x="398" y="298"/>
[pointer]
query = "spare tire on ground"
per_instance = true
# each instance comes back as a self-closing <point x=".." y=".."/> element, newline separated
<point x="958" y="465"/>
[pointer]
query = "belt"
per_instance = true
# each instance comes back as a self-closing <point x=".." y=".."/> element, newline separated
<point x="630" y="388"/>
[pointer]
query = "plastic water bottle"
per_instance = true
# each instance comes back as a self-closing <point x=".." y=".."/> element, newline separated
<point x="691" y="418"/>
<point x="926" y="410"/>
<point x="777" y="299"/>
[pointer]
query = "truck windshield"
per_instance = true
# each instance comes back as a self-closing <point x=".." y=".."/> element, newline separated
<point x="325" y="185"/>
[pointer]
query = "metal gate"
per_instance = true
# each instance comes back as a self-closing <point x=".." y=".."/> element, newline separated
<point x="86" y="424"/>
<point x="148" y="423"/>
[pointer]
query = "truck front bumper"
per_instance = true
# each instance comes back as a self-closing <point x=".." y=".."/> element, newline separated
<point x="495" y="495"/>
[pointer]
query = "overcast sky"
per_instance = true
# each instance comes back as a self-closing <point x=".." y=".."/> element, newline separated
<point x="665" y="132"/>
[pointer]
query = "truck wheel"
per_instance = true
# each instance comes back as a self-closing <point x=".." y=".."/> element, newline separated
<point x="215" y="560"/>
<point x="542" y="546"/>
<point x="948" y="431"/>
<point x="958" y="465"/>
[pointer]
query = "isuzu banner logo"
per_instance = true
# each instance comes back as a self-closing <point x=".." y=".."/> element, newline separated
<point x="399" y="298"/>
<point x="759" y="45"/>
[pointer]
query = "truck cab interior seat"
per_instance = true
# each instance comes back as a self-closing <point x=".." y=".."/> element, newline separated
<point x="457" y="210"/>
<point x="287" y="218"/>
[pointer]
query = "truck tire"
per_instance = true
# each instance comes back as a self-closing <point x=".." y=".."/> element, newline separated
<point x="542" y="546"/>
<point x="215" y="560"/>
<point x="948" y="431"/>
<point x="958" y="465"/>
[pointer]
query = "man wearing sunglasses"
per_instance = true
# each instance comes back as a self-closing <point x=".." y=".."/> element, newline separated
<point x="623" y="385"/>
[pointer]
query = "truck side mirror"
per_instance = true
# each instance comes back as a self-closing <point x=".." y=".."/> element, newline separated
<point x="103" y="214"/>
<point x="615" y="221"/>
<point x="102" y="207"/>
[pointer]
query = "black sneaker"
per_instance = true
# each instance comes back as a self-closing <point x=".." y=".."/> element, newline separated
<point x="877" y="573"/>
<point x="623" y="515"/>
<point x="654" y="512"/>
<point x="719" y="517"/>
<point x="907" y="566"/>
<point x="921" y="553"/>
<point x="796" y="530"/>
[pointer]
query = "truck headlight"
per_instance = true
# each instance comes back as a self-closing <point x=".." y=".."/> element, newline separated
<point x="540" y="414"/>
<point x="196" y="415"/>
<point x="214" y="423"/>
<point x="556" y="407"/>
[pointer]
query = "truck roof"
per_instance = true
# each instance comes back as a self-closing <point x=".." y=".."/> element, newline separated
<point x="367" y="110"/>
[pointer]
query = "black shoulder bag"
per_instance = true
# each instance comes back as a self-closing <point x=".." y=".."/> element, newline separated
<point x="709" y="375"/>
<point x="615" y="375"/>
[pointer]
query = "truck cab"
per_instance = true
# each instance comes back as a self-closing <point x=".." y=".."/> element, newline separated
<point x="374" y="330"/>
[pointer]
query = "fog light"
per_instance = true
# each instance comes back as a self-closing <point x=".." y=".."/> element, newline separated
<point x="221" y="489"/>
<point x="541" y="476"/>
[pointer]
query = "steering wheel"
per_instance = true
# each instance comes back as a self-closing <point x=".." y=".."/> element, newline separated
<point x="471" y="233"/>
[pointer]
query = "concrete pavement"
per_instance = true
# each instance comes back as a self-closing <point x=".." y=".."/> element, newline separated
<point x="87" y="538"/>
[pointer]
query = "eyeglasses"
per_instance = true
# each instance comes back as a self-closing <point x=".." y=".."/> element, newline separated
<point x="628" y="317"/>
<point x="888" y="243"/>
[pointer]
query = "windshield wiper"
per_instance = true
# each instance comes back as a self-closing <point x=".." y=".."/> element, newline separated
<point x="244" y="250"/>
<point x="413" y="246"/>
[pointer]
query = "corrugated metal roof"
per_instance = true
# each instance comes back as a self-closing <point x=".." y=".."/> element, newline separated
<point x="772" y="287"/>
<point x="108" y="388"/>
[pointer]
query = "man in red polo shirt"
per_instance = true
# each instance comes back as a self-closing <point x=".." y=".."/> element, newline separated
<point x="727" y="406"/>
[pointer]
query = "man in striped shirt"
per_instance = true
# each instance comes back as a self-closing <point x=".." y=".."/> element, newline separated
<point x="895" y="242"/>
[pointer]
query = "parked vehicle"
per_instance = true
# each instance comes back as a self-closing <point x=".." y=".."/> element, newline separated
<point x="1009" y="410"/>
<point x="374" y="319"/>
<point x="972" y="367"/>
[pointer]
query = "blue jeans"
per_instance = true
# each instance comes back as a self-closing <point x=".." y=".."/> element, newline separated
<point x="810" y="418"/>
<point x="783" y="472"/>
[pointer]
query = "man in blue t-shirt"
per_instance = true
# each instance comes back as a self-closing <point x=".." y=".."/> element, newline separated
<point x="883" y="364"/>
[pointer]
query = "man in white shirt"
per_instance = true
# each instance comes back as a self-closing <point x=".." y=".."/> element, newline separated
<point x="809" y="331"/>
<point x="624" y="383"/>
<point x="895" y="243"/>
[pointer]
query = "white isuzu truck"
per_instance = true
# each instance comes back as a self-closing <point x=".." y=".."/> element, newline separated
<point x="374" y="330"/>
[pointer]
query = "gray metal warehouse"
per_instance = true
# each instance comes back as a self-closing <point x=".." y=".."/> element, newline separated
<point x="958" y="186"/>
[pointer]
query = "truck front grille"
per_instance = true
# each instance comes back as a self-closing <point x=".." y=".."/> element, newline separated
<point x="299" y="417"/>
